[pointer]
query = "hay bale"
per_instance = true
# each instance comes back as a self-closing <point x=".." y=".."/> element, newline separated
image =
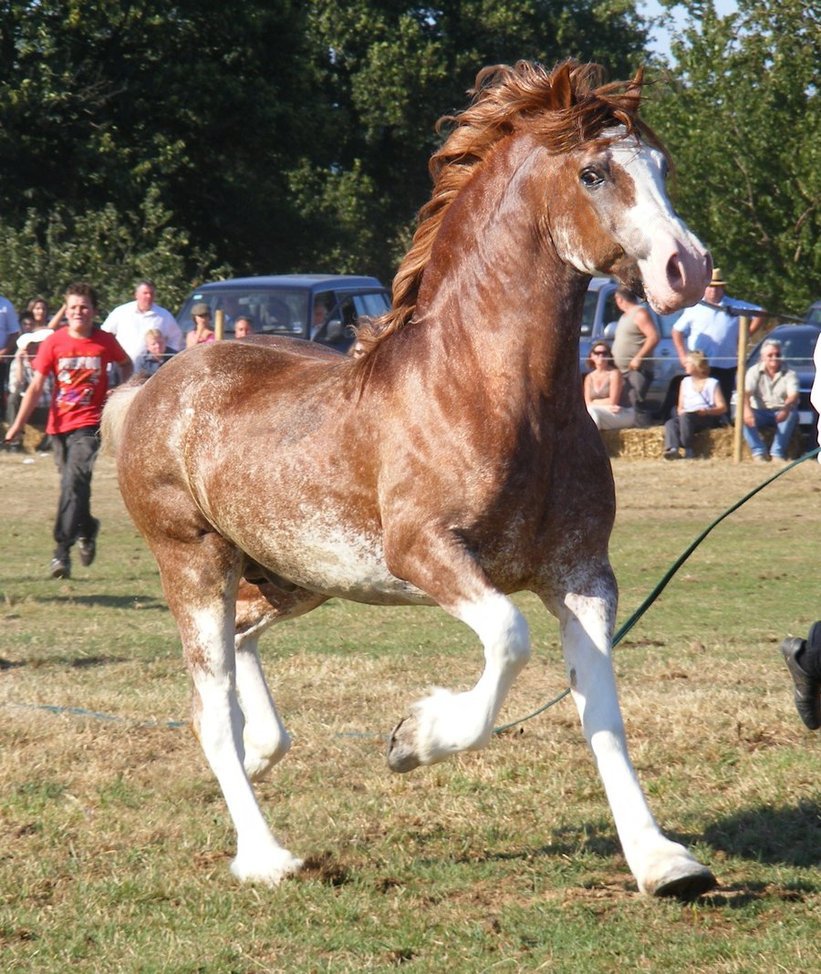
<point x="716" y="444"/>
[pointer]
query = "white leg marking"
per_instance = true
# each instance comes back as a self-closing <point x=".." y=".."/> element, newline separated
<point x="259" y="855"/>
<point x="265" y="739"/>
<point x="449" y="722"/>
<point x="655" y="861"/>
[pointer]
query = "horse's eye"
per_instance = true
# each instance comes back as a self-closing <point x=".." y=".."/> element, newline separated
<point x="591" y="177"/>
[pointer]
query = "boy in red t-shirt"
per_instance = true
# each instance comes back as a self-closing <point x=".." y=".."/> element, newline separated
<point x="77" y="357"/>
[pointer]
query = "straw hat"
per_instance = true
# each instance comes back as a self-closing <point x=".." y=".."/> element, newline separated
<point x="717" y="280"/>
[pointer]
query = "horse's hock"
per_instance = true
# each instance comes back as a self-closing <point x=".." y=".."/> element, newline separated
<point x="648" y="444"/>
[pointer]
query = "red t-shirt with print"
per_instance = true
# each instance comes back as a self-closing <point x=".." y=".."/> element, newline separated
<point x="80" y="379"/>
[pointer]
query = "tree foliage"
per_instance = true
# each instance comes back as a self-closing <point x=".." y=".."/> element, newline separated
<point x="741" y="118"/>
<point x="274" y="135"/>
<point x="268" y="135"/>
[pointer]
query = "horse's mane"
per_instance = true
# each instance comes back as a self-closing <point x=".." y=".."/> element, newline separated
<point x="564" y="108"/>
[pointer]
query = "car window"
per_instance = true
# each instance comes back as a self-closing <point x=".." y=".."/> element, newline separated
<point x="371" y="305"/>
<point x="591" y="301"/>
<point x="611" y="309"/>
<point x="282" y="311"/>
<point x="797" y="350"/>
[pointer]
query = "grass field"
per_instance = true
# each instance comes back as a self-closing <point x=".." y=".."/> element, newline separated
<point x="115" y="841"/>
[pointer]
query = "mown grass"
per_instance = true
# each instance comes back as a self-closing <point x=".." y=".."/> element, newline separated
<point x="115" y="841"/>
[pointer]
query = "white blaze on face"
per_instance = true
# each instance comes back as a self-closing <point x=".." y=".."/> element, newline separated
<point x="674" y="265"/>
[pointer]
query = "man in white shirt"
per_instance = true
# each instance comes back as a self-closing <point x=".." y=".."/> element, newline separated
<point x="129" y="322"/>
<point x="711" y="327"/>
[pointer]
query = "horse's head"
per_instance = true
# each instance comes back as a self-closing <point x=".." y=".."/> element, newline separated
<point x="617" y="219"/>
<point x="613" y="215"/>
<point x="582" y="172"/>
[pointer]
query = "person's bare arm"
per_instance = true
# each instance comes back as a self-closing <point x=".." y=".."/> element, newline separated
<point x="57" y="318"/>
<point x="681" y="346"/>
<point x="647" y="327"/>
<point x="27" y="406"/>
<point x="616" y="385"/>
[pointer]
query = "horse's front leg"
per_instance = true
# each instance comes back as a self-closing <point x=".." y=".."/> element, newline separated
<point x="661" y="867"/>
<point x="200" y="583"/>
<point x="445" y="723"/>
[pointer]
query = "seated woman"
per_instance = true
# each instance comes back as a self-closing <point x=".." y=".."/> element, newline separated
<point x="606" y="394"/>
<point x="701" y="406"/>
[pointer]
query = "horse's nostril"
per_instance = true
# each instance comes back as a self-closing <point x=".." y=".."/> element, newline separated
<point x="675" y="273"/>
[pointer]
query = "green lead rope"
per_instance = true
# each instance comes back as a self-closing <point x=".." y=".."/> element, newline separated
<point x="661" y="585"/>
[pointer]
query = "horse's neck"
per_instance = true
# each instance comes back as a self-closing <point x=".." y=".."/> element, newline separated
<point x="495" y="287"/>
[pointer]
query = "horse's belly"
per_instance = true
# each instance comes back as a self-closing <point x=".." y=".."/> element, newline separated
<point x="336" y="561"/>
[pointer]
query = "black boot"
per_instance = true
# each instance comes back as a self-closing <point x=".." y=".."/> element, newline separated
<point x="807" y="686"/>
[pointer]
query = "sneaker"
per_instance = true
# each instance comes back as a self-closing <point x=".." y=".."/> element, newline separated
<point x="60" y="567"/>
<point x="807" y="688"/>
<point x="671" y="455"/>
<point x="760" y="458"/>
<point x="88" y="546"/>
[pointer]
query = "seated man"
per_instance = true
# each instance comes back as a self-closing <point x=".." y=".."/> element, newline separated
<point x="770" y="402"/>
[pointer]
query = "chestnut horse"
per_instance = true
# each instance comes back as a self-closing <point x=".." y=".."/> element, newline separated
<point x="451" y="461"/>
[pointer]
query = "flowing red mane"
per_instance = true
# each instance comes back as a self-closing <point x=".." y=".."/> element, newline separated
<point x="564" y="108"/>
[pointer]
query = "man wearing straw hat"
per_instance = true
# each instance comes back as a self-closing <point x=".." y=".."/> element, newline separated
<point x="711" y="327"/>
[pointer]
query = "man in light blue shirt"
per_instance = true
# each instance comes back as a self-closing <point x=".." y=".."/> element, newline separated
<point x="711" y="327"/>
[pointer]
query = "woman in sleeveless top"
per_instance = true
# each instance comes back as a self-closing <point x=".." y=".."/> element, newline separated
<point x="605" y="392"/>
<point x="701" y="406"/>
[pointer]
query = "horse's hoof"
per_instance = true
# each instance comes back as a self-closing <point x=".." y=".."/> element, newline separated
<point x="686" y="882"/>
<point x="401" y="747"/>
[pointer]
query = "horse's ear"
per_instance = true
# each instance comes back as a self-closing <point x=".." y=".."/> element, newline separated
<point x="561" y="86"/>
<point x="633" y="92"/>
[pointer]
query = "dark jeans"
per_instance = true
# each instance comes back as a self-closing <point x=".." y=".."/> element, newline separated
<point x="679" y="430"/>
<point x="74" y="454"/>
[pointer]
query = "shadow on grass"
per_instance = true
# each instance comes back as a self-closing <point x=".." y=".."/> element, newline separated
<point x="786" y="835"/>
<point x="140" y="602"/>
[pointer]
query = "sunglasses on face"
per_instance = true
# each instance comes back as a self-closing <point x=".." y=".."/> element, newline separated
<point x="599" y="351"/>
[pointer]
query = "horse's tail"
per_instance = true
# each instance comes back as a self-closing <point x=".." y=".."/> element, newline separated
<point x="116" y="408"/>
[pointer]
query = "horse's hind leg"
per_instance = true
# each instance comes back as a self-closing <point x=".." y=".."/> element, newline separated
<point x="200" y="582"/>
<point x="661" y="867"/>
<point x="265" y="738"/>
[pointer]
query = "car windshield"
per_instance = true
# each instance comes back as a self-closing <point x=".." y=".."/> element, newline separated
<point x="797" y="350"/>
<point x="283" y="311"/>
